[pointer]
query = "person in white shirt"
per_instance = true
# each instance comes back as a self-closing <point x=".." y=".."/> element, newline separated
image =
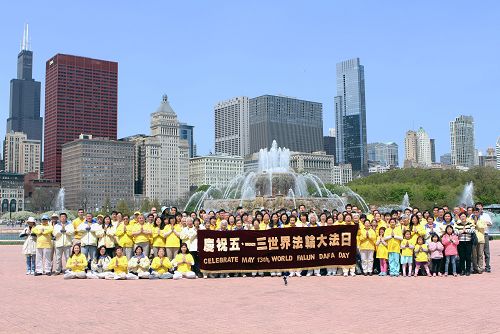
<point x="488" y="222"/>
<point x="189" y="235"/>
<point x="89" y="229"/>
<point x="63" y="234"/>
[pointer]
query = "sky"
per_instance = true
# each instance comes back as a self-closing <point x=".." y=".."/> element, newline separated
<point x="426" y="62"/>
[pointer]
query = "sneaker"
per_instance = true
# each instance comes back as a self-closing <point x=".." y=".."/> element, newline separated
<point x="346" y="274"/>
<point x="244" y="275"/>
<point x="32" y="272"/>
<point x="298" y="274"/>
<point x="48" y="274"/>
<point x="308" y="275"/>
<point x="445" y="274"/>
<point x="353" y="274"/>
<point x="273" y="274"/>
<point x="488" y="270"/>
<point x="205" y="276"/>
<point x="278" y="274"/>
<point x="28" y="272"/>
<point x="318" y="275"/>
<point x="292" y="274"/>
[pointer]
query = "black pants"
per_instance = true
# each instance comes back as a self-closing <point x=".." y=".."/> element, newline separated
<point x="196" y="266"/>
<point x="465" y="254"/>
<point x="436" y="266"/>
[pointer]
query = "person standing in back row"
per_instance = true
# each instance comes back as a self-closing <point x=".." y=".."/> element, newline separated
<point x="63" y="233"/>
<point x="43" y="247"/>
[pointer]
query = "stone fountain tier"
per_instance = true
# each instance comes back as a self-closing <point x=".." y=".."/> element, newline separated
<point x="274" y="184"/>
<point x="273" y="203"/>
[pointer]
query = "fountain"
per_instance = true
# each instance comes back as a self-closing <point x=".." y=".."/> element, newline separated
<point x="467" y="197"/>
<point x="406" y="202"/>
<point x="59" y="204"/>
<point x="273" y="186"/>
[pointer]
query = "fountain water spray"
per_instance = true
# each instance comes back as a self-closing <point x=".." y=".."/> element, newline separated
<point x="467" y="196"/>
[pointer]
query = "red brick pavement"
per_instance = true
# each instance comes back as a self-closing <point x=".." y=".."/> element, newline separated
<point x="248" y="305"/>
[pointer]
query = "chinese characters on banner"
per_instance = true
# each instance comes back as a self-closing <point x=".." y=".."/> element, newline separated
<point x="279" y="249"/>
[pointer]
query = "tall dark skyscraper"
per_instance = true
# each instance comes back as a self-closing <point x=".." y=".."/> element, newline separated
<point x="433" y="150"/>
<point x="350" y="115"/>
<point x="81" y="97"/>
<point x="186" y="132"/>
<point x="24" y="107"/>
<point x="294" y="124"/>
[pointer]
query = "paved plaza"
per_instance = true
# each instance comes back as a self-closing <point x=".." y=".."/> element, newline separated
<point x="248" y="305"/>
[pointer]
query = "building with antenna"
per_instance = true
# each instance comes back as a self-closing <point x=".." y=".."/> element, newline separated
<point x="24" y="103"/>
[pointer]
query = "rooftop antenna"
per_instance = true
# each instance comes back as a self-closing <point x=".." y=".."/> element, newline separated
<point x="25" y="44"/>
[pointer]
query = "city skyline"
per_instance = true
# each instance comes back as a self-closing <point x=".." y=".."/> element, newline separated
<point x="212" y="75"/>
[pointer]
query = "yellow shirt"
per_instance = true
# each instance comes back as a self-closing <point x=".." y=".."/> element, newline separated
<point x="421" y="253"/>
<point x="43" y="235"/>
<point x="263" y="226"/>
<point x="161" y="266"/>
<point x="125" y="238"/>
<point x="121" y="267"/>
<point x="393" y="243"/>
<point x="173" y="240"/>
<point x="382" y="252"/>
<point x="158" y="239"/>
<point x="77" y="263"/>
<point x="407" y="251"/>
<point x="141" y="237"/>
<point x="183" y="267"/>
<point x="367" y="242"/>
<point x="417" y="230"/>
<point x="76" y="222"/>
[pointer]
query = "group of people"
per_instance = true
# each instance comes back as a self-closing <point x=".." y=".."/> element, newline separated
<point x="164" y="245"/>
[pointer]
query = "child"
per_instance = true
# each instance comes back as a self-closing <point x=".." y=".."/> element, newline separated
<point x="367" y="238"/>
<point x="76" y="264"/>
<point x="407" y="247"/>
<point x="436" y="250"/>
<point x="421" y="257"/>
<point x="450" y="243"/>
<point x="382" y="253"/>
<point x="393" y="236"/>
<point x="29" y="246"/>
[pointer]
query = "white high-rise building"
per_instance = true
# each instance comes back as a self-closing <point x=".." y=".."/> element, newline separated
<point x="462" y="141"/>
<point x="214" y="170"/>
<point x="424" y="151"/>
<point x="497" y="150"/>
<point x="232" y="127"/>
<point x="342" y="174"/>
<point x="162" y="159"/>
<point x="21" y="155"/>
<point x="418" y="151"/>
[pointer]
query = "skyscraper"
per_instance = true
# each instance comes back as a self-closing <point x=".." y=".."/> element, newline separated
<point x="350" y="115"/>
<point x="293" y="123"/>
<point x="24" y="106"/>
<point x="186" y="133"/>
<point x="81" y="96"/>
<point x="417" y="149"/>
<point x="231" y="127"/>
<point x="162" y="159"/>
<point x="433" y="150"/>
<point x="22" y="155"/>
<point x="462" y="141"/>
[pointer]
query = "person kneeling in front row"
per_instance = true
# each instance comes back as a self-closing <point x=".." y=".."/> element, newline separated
<point x="139" y="264"/>
<point x="183" y="261"/>
<point x="161" y="266"/>
<point x="76" y="264"/>
<point x="99" y="265"/>
<point x="119" y="265"/>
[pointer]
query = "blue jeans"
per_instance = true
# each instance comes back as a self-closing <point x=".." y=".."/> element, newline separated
<point x="452" y="259"/>
<point x="89" y="252"/>
<point x="393" y="264"/>
<point x="30" y="262"/>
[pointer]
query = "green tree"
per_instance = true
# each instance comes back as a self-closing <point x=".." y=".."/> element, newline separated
<point x="145" y="205"/>
<point x="123" y="207"/>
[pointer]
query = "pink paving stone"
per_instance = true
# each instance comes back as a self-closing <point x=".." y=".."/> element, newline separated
<point x="248" y="305"/>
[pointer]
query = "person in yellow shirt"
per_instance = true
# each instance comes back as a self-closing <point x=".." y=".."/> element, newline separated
<point x="393" y="237"/>
<point x="125" y="238"/>
<point x="141" y="231"/>
<point x="106" y="236"/>
<point x="76" y="264"/>
<point x="76" y="222"/>
<point x="351" y="269"/>
<point x="407" y="247"/>
<point x="421" y="252"/>
<point x="417" y="229"/>
<point x="172" y="234"/>
<point x="119" y="265"/>
<point x="183" y="262"/>
<point x="367" y="239"/>
<point x="134" y="219"/>
<point x="382" y="253"/>
<point x="43" y="258"/>
<point x="158" y="241"/>
<point x="161" y="266"/>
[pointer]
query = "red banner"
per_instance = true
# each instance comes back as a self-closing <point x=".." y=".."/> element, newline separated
<point x="278" y="249"/>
